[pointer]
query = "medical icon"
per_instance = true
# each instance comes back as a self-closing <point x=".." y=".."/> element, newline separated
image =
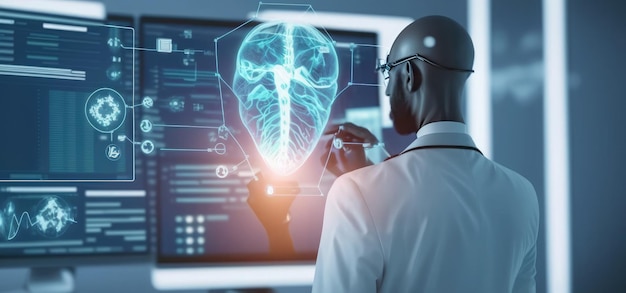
<point x="176" y="104"/>
<point x="198" y="107"/>
<point x="147" y="102"/>
<point x="145" y="125"/>
<point x="164" y="45"/>
<point x="222" y="132"/>
<point x="114" y="72"/>
<point x="105" y="110"/>
<point x="114" y="43"/>
<point x="113" y="152"/>
<point x="337" y="143"/>
<point x="188" y="34"/>
<point x="147" y="147"/>
<point x="189" y="58"/>
<point x="291" y="69"/>
<point x="219" y="148"/>
<point x="221" y="171"/>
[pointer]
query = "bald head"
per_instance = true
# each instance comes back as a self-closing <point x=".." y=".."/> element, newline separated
<point x="428" y="88"/>
<point x="437" y="38"/>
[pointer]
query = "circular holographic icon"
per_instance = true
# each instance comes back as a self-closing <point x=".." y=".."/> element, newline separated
<point x="147" y="147"/>
<point x="114" y="72"/>
<point x="147" y="102"/>
<point x="220" y="148"/>
<point x="221" y="171"/>
<point x="113" y="152"/>
<point x="105" y="110"/>
<point x="338" y="143"/>
<point x="145" y="125"/>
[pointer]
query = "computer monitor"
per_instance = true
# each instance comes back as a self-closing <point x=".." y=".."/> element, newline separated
<point x="204" y="155"/>
<point x="67" y="196"/>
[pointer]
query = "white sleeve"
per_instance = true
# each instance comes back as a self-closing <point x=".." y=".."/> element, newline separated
<point x="525" y="280"/>
<point x="350" y="255"/>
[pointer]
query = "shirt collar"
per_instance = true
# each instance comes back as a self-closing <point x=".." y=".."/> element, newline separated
<point x="442" y="127"/>
<point x="442" y="133"/>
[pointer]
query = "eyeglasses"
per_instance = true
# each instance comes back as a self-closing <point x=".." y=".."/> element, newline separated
<point x="384" y="67"/>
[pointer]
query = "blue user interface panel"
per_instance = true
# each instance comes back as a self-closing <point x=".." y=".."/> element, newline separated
<point x="71" y="220"/>
<point x="68" y="106"/>
<point x="222" y="111"/>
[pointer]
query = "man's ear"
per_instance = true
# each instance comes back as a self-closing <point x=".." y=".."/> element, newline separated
<point x="413" y="79"/>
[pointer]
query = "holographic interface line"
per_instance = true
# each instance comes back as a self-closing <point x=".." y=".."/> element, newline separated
<point x="285" y="82"/>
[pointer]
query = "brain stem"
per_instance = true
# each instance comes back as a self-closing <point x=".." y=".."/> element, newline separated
<point x="282" y="77"/>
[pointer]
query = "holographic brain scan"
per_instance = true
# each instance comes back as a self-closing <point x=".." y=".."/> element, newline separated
<point x="257" y="100"/>
<point x="286" y="81"/>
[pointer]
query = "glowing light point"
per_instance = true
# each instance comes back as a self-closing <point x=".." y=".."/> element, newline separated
<point x="269" y="190"/>
<point x="429" y="41"/>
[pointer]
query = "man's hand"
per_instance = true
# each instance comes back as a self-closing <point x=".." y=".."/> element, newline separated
<point x="273" y="212"/>
<point x="346" y="148"/>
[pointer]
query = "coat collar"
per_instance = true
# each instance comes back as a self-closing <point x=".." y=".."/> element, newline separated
<point x="443" y="134"/>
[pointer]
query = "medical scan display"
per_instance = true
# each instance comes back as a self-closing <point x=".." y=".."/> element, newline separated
<point x="67" y="164"/>
<point x="231" y="99"/>
<point x="285" y="71"/>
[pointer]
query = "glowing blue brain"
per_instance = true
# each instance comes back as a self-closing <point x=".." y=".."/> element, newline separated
<point x="286" y="81"/>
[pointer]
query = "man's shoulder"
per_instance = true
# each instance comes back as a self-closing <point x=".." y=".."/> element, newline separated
<point x="513" y="174"/>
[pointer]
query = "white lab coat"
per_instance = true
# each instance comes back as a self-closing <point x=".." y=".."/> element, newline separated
<point x="441" y="218"/>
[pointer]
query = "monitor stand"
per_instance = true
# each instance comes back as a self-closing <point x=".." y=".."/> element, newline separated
<point x="249" y="290"/>
<point x="50" y="280"/>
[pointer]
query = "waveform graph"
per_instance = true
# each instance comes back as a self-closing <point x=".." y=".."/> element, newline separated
<point x="48" y="216"/>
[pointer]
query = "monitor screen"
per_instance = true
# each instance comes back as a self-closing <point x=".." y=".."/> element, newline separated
<point x="72" y="190"/>
<point x="207" y="146"/>
<point x="69" y="110"/>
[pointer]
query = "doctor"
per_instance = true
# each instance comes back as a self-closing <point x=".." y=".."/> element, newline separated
<point x="438" y="217"/>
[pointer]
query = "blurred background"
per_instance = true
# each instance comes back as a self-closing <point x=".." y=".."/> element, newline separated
<point x="595" y="42"/>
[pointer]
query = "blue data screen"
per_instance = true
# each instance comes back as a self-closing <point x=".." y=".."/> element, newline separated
<point x="68" y="105"/>
<point x="62" y="192"/>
